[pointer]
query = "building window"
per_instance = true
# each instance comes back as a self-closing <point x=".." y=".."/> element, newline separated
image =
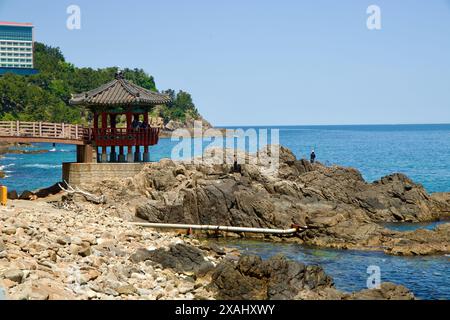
<point x="16" y="33"/>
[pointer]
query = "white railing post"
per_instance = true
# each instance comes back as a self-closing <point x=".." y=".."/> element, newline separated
<point x="40" y="128"/>
<point x="76" y="131"/>
<point x="17" y="128"/>
<point x="56" y="130"/>
<point x="62" y="129"/>
<point x="11" y="130"/>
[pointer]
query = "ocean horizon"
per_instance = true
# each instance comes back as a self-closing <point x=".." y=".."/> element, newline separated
<point x="418" y="150"/>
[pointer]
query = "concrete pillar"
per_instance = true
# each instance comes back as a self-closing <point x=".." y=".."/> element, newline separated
<point x="121" y="155"/>
<point x="130" y="154"/>
<point x="137" y="155"/>
<point x="112" y="121"/>
<point x="99" y="157"/>
<point x="113" y="155"/>
<point x="88" y="154"/>
<point x="84" y="153"/>
<point x="146" y="155"/>
<point x="104" y="157"/>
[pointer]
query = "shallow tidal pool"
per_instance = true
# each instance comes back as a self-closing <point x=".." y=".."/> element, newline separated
<point x="427" y="277"/>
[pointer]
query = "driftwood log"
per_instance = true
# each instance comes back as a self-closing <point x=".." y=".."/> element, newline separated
<point x="88" y="196"/>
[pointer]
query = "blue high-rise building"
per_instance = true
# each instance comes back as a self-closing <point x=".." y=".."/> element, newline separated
<point x="16" y="48"/>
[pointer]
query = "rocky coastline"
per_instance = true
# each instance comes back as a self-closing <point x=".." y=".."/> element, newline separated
<point x="62" y="246"/>
<point x="67" y="250"/>
<point x="338" y="207"/>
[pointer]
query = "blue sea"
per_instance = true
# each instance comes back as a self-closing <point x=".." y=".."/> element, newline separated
<point x="420" y="151"/>
<point x="427" y="277"/>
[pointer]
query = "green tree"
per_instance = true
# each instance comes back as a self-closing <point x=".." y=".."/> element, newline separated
<point x="45" y="96"/>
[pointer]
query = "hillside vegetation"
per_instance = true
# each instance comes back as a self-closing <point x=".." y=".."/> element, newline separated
<point x="45" y="96"/>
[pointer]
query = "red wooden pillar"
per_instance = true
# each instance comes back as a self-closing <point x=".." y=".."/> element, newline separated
<point x="129" y="131"/>
<point x="147" y="136"/>
<point x="95" y="134"/>
<point x="129" y="119"/>
<point x="95" y="120"/>
<point x="113" y="154"/>
<point x="139" y="134"/>
<point x="104" y="157"/>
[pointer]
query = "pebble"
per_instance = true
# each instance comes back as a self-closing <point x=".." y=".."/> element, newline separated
<point x="82" y="254"/>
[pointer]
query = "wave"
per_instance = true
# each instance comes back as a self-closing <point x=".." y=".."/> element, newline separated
<point x="2" y="167"/>
<point x="43" y="166"/>
<point x="60" y="150"/>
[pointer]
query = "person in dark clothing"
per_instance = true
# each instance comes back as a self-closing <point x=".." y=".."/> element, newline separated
<point x="313" y="156"/>
<point x="236" y="167"/>
<point x="144" y="125"/>
<point x="135" y="124"/>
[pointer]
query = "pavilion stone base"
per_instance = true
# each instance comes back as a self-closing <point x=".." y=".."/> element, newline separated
<point x="79" y="174"/>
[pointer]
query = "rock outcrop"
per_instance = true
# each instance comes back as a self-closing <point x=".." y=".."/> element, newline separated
<point x="340" y="209"/>
<point x="276" y="278"/>
<point x="181" y="258"/>
<point x="280" y="279"/>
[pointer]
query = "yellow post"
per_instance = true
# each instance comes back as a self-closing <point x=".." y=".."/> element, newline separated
<point x="3" y="195"/>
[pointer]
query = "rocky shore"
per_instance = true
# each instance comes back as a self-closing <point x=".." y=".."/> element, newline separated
<point x="64" y="247"/>
<point x="340" y="209"/>
<point x="72" y="250"/>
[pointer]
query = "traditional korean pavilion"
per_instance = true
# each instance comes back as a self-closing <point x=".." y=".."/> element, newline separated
<point x="121" y="98"/>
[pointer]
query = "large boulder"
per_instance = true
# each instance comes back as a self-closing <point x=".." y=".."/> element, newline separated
<point x="181" y="258"/>
<point x="27" y="195"/>
<point x="276" y="278"/>
<point x="386" y="291"/>
<point x="12" y="195"/>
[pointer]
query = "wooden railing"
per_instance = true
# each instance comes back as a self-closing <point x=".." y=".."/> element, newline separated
<point x="125" y="137"/>
<point x="48" y="130"/>
<point x="22" y="131"/>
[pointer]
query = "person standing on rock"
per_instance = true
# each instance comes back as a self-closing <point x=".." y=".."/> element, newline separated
<point x="313" y="156"/>
<point x="236" y="166"/>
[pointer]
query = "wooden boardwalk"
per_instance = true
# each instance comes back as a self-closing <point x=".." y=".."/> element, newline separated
<point x="28" y="132"/>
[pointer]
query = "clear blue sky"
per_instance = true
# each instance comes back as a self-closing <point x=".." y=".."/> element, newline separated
<point x="268" y="62"/>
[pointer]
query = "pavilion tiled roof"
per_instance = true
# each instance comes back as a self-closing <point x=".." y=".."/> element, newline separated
<point x="119" y="92"/>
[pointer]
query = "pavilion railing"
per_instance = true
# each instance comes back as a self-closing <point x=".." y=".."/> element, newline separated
<point x="43" y="130"/>
<point x="125" y="137"/>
